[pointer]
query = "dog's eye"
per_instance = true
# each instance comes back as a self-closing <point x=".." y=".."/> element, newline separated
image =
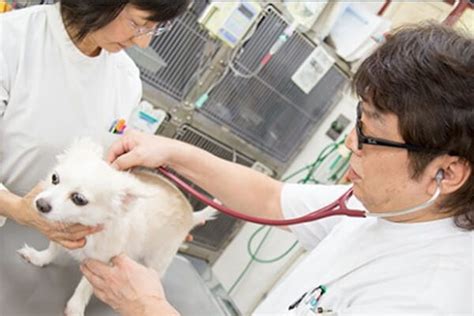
<point x="55" y="178"/>
<point x="79" y="199"/>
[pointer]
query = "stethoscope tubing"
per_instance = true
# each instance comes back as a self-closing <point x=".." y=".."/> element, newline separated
<point x="337" y="207"/>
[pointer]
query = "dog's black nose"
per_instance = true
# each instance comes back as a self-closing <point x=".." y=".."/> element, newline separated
<point x="43" y="206"/>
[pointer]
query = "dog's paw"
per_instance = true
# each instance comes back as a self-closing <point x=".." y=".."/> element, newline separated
<point x="73" y="310"/>
<point x="3" y="220"/>
<point x="32" y="256"/>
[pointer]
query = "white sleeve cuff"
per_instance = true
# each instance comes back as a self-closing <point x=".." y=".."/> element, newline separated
<point x="2" y="219"/>
<point x="2" y="187"/>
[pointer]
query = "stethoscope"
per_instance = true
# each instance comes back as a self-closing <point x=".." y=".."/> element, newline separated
<point x="337" y="207"/>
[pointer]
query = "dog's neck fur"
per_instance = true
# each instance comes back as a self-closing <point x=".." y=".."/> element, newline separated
<point x="107" y="243"/>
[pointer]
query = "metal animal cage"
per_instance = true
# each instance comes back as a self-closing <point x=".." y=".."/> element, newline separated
<point x="182" y="52"/>
<point x="265" y="119"/>
<point x="210" y="239"/>
<point x="269" y="110"/>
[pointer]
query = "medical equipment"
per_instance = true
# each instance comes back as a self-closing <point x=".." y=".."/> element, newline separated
<point x="230" y="21"/>
<point x="337" y="207"/>
<point x="147" y="119"/>
<point x="357" y="32"/>
<point x="305" y="12"/>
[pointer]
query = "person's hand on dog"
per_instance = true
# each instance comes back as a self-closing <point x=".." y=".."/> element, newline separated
<point x="135" y="148"/>
<point x="128" y="287"/>
<point x="139" y="149"/>
<point x="71" y="236"/>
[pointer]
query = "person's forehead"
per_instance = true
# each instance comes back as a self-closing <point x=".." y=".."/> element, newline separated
<point x="369" y="110"/>
<point x="136" y="13"/>
<point x="384" y="123"/>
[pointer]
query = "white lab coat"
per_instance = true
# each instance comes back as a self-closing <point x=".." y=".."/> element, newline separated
<point x="373" y="266"/>
<point x="51" y="93"/>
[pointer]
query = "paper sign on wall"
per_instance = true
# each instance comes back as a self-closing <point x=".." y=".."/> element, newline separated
<point x="313" y="69"/>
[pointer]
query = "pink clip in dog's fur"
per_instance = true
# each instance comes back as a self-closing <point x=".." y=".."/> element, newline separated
<point x="143" y="214"/>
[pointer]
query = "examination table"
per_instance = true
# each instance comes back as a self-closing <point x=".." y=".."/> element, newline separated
<point x="26" y="290"/>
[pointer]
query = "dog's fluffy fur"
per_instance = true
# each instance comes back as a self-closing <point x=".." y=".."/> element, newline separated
<point x="143" y="214"/>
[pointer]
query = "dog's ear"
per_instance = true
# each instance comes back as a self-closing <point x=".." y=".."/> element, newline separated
<point x="133" y="190"/>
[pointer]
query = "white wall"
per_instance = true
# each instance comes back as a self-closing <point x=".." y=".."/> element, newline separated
<point x="403" y="12"/>
<point x="371" y="6"/>
<point x="261" y="277"/>
<point x="347" y="107"/>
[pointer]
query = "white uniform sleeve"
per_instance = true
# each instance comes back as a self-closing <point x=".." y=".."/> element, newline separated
<point x="2" y="219"/>
<point x="300" y="199"/>
<point x="4" y="95"/>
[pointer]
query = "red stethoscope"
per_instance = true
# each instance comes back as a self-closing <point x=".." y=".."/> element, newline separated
<point x="337" y="207"/>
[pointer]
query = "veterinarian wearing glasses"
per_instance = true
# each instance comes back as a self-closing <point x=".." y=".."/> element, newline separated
<point x="64" y="74"/>
<point x="414" y="136"/>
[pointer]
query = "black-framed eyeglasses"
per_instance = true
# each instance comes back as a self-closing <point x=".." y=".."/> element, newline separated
<point x="362" y="139"/>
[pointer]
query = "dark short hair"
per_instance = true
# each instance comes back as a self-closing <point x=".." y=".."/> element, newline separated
<point x="88" y="16"/>
<point x="424" y="74"/>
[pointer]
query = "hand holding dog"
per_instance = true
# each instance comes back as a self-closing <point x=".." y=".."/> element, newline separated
<point x="128" y="287"/>
<point x="71" y="236"/>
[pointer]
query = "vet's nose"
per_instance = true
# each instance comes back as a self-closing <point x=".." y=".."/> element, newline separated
<point x="43" y="206"/>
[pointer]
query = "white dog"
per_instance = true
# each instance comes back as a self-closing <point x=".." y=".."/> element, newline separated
<point x="143" y="214"/>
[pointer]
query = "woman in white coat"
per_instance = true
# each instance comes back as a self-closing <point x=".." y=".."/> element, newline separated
<point x="64" y="74"/>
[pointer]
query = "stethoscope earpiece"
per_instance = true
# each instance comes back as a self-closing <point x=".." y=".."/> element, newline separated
<point x="439" y="176"/>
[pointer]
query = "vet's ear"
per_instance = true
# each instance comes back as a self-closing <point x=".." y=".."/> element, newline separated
<point x="456" y="172"/>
